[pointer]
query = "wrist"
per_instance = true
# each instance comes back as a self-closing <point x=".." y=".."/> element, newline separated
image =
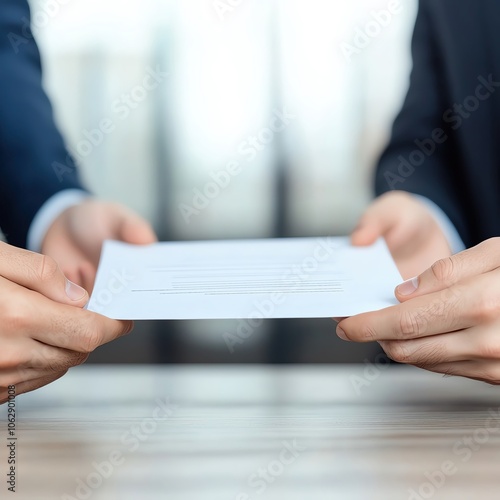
<point x="50" y="211"/>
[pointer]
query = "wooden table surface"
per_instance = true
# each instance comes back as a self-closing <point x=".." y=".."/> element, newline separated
<point x="256" y="432"/>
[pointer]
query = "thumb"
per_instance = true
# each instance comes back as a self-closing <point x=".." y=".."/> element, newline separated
<point x="366" y="232"/>
<point x="41" y="274"/>
<point x="376" y="222"/>
<point x="447" y="272"/>
<point x="136" y="230"/>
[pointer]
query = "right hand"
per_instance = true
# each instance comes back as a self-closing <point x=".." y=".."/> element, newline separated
<point x="413" y="236"/>
<point x="43" y="329"/>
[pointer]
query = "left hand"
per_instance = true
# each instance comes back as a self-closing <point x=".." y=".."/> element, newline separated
<point x="448" y="320"/>
<point x="75" y="238"/>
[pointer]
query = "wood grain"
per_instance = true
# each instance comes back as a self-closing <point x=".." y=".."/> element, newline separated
<point x="206" y="432"/>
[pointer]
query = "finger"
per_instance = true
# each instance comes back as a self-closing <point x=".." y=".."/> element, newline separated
<point x="15" y="354"/>
<point x="437" y="349"/>
<point x="384" y="218"/>
<point x="432" y="314"/>
<point x="484" y="371"/>
<point x="374" y="224"/>
<point x="81" y="272"/>
<point x="37" y="360"/>
<point x="30" y="385"/>
<point x="39" y="273"/>
<point x="32" y="315"/>
<point x="444" y="273"/>
<point x="74" y="276"/>
<point x="77" y="330"/>
<point x="87" y="272"/>
<point x="41" y="364"/>
<point x="16" y="377"/>
<point x="134" y="229"/>
<point x="481" y="343"/>
<point x="27" y="359"/>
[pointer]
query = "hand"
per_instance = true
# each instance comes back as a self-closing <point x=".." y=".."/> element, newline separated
<point x="413" y="236"/>
<point x="43" y="330"/>
<point x="449" y="318"/>
<point x="75" y="238"/>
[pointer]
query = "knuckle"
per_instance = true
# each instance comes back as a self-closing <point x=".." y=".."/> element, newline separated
<point x="54" y="365"/>
<point x="64" y="364"/>
<point x="443" y="269"/>
<point x="449" y="307"/>
<point x="40" y="358"/>
<point x="430" y="354"/>
<point x="91" y="338"/>
<point x="487" y="308"/>
<point x="78" y="359"/>
<point x="398" y="352"/>
<point x="412" y="323"/>
<point x="368" y="333"/>
<point x="489" y="349"/>
<point x="47" y="269"/>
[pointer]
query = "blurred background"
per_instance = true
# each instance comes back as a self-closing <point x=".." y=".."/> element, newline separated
<point x="157" y="97"/>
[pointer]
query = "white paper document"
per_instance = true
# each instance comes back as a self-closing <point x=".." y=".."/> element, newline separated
<point x="273" y="278"/>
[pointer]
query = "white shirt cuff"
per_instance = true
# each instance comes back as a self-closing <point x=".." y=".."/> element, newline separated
<point x="49" y="212"/>
<point x="449" y="230"/>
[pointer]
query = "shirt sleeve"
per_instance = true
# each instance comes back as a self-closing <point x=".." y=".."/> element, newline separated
<point x="423" y="156"/>
<point x="449" y="230"/>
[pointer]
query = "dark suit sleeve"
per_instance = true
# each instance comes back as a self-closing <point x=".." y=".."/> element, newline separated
<point x="34" y="163"/>
<point x="417" y="159"/>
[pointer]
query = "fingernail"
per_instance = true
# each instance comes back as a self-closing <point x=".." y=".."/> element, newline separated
<point x="73" y="291"/>
<point x="408" y="287"/>
<point x="342" y="334"/>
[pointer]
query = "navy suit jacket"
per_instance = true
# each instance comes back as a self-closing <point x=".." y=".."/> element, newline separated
<point x="445" y="142"/>
<point x="34" y="163"/>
